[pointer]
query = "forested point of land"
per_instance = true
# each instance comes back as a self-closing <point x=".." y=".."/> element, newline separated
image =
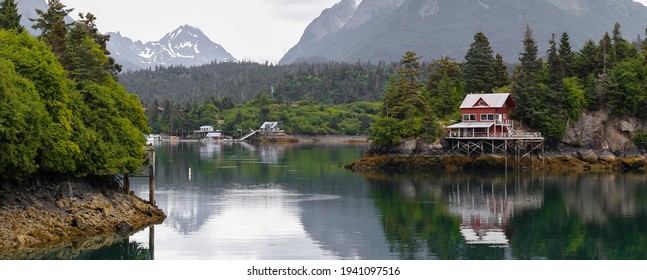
<point x="61" y="108"/>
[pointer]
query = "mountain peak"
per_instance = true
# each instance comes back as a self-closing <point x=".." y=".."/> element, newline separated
<point x="186" y="45"/>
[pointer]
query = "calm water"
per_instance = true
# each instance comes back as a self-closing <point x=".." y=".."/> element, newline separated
<point x="297" y="202"/>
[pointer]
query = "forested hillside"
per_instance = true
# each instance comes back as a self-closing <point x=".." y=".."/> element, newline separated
<point x="331" y="83"/>
<point x="61" y="108"/>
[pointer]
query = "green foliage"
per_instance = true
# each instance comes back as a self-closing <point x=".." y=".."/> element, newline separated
<point x="627" y="88"/>
<point x="445" y="87"/>
<point x="640" y="139"/>
<point x="574" y="99"/>
<point x="406" y="112"/>
<point x="480" y="66"/>
<point x="9" y="17"/>
<point x="21" y="118"/>
<point x="386" y="131"/>
<point x="54" y="29"/>
<point x="34" y="61"/>
<point x="239" y="82"/>
<point x="88" y="125"/>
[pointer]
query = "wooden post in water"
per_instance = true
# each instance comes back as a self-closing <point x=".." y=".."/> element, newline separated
<point x="151" y="178"/>
<point x="151" y="242"/>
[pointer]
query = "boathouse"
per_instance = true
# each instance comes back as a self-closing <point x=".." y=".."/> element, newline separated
<point x="486" y="127"/>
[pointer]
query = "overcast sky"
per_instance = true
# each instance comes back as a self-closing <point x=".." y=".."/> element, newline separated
<point x="256" y="30"/>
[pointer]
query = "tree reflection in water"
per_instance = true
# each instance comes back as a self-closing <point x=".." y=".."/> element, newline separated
<point x="521" y="216"/>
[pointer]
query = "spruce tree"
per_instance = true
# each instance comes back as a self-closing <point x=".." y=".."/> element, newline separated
<point x="445" y="87"/>
<point x="9" y="16"/>
<point x="586" y="61"/>
<point x="566" y="55"/>
<point x="528" y="59"/>
<point x="406" y="111"/>
<point x="86" y="25"/>
<point x="479" y="68"/>
<point x="525" y="84"/>
<point x="54" y="29"/>
<point x="554" y="98"/>
<point x="605" y="53"/>
<point x="502" y="78"/>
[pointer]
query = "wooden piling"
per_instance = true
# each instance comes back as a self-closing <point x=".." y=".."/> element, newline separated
<point x="151" y="180"/>
<point x="151" y="242"/>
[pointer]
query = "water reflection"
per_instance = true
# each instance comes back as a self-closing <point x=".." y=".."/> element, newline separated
<point x="297" y="202"/>
<point x="522" y="216"/>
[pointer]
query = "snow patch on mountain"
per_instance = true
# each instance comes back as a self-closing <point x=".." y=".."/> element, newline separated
<point x="186" y="45"/>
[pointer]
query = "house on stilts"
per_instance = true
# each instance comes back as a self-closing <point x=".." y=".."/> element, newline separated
<point x="486" y="127"/>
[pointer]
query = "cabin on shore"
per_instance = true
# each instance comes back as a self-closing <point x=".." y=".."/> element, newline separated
<point x="486" y="127"/>
<point x="203" y="132"/>
<point x="485" y="115"/>
<point x="270" y="128"/>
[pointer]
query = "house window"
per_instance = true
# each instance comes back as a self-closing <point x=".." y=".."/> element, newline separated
<point x="481" y="103"/>
<point x="487" y="117"/>
<point x="469" y="117"/>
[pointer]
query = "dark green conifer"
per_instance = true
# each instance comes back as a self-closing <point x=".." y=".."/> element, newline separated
<point x="502" y="78"/>
<point x="54" y="29"/>
<point x="9" y="16"/>
<point x="479" y="67"/>
<point x="566" y="55"/>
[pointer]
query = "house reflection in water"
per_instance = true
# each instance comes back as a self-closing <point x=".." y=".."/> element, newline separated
<point x="486" y="207"/>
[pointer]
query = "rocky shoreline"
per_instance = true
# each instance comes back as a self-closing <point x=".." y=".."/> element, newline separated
<point x="413" y="155"/>
<point x="45" y="211"/>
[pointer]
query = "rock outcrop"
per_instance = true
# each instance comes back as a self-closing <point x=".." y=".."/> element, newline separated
<point x="45" y="211"/>
<point x="599" y="131"/>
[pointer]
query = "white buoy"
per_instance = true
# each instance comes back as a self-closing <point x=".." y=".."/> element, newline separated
<point x="189" y="173"/>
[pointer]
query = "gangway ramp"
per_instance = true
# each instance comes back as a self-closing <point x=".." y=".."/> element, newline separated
<point x="250" y="134"/>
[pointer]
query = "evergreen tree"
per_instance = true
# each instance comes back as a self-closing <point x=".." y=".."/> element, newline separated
<point x="445" y="87"/>
<point x="406" y="112"/>
<point x="479" y="67"/>
<point x="586" y="61"/>
<point x="9" y="16"/>
<point x="620" y="46"/>
<point x="54" y="29"/>
<point x="605" y="53"/>
<point x="502" y="78"/>
<point x="566" y="55"/>
<point x="556" y="73"/>
<point x="525" y="82"/>
<point x="87" y="27"/>
<point x="529" y="61"/>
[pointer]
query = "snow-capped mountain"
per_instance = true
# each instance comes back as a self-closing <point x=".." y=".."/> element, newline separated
<point x="186" y="46"/>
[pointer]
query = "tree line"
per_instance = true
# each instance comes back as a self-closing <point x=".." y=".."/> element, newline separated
<point x="62" y="109"/>
<point x="330" y="83"/>
<point x="550" y="92"/>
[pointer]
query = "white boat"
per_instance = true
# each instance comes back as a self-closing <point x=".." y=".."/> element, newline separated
<point x="153" y="137"/>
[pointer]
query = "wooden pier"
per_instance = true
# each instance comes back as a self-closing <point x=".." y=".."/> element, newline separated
<point x="518" y="144"/>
